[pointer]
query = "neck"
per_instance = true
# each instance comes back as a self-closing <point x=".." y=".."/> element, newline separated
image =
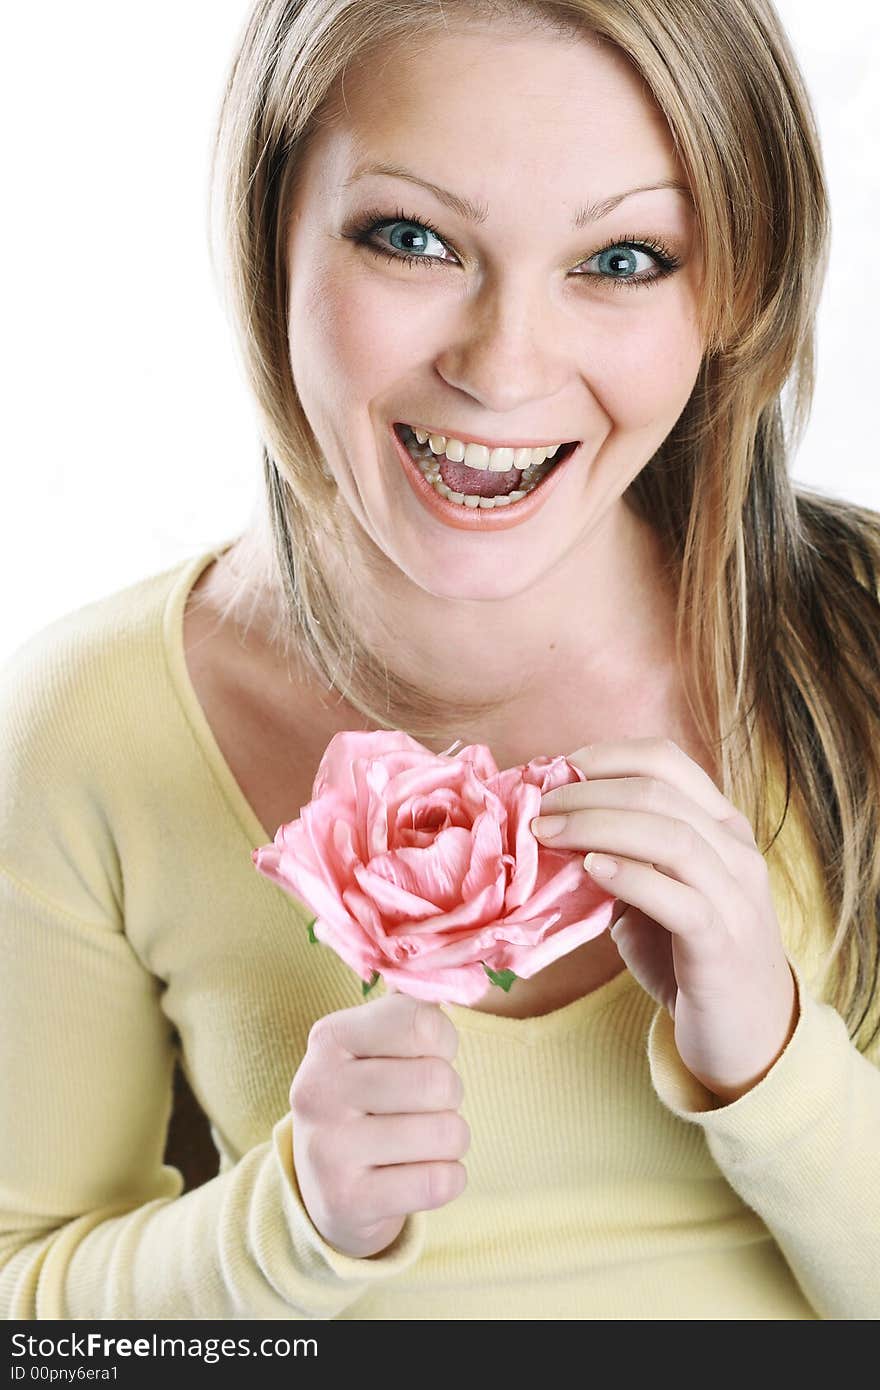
<point x="594" y="637"/>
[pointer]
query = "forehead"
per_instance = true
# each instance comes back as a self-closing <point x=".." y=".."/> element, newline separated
<point x="499" y="104"/>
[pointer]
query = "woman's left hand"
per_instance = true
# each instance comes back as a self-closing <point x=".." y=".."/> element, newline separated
<point x="698" y="927"/>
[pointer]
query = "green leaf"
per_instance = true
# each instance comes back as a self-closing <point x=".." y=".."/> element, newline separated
<point x="367" y="987"/>
<point x="312" y="938"/>
<point x="503" y="978"/>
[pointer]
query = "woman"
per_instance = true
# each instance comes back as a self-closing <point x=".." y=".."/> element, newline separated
<point x="596" y="231"/>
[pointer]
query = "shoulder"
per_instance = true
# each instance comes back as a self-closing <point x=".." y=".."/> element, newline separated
<point x="78" y="701"/>
<point x="67" y="674"/>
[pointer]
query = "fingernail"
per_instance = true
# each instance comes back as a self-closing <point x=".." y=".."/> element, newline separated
<point x="601" y="865"/>
<point x="547" y="826"/>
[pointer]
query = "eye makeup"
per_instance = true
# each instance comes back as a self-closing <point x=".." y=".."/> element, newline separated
<point x="363" y="229"/>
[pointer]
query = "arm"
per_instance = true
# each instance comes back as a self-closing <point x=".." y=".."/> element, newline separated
<point x="801" y="1148"/>
<point x="92" y="1224"/>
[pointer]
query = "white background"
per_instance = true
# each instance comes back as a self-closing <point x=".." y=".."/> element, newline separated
<point x="128" y="439"/>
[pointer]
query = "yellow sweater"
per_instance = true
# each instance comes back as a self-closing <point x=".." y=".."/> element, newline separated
<point x="603" y="1182"/>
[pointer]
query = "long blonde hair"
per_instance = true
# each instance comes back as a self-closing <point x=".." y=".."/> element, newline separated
<point x="778" y="602"/>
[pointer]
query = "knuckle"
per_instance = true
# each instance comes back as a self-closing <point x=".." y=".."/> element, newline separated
<point x="439" y="1184"/>
<point x="457" y="1089"/>
<point x="305" y="1093"/>
<point x="447" y="1035"/>
<point x="424" y="1032"/>
<point x="429" y="1180"/>
<point x="464" y="1141"/>
<point x="452" y="1133"/>
<point x="321" y="1033"/>
<point x="443" y="1085"/>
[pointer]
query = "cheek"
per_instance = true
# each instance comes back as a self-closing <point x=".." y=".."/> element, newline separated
<point x="645" y="379"/>
<point x="336" y="322"/>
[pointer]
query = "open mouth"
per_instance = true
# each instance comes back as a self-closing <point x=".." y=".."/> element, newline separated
<point x="478" y="487"/>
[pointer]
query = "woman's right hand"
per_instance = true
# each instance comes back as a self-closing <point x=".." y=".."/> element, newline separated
<point x="376" y="1132"/>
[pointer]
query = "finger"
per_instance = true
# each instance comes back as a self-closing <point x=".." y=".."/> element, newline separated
<point x="404" y="1187"/>
<point x="399" y="1085"/>
<point x="683" y="910"/>
<point x="674" y="848"/>
<point x="395" y="1026"/>
<point x="645" y="795"/>
<point x="656" y="757"/>
<point x="384" y="1139"/>
<point x="676" y="843"/>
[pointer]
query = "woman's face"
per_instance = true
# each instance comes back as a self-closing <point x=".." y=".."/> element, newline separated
<point x="547" y="320"/>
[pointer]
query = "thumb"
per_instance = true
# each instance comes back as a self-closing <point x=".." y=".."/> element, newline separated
<point x="646" y="950"/>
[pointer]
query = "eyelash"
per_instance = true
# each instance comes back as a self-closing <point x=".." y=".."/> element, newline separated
<point x="372" y="221"/>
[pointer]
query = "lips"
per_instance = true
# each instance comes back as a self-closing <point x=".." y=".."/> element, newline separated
<point x="475" y="518"/>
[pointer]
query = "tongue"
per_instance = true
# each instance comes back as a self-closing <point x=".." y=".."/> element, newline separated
<point x="478" y="482"/>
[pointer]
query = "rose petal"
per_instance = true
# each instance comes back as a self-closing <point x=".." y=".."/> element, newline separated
<point x="527" y="961"/>
<point x="394" y="903"/>
<point x="464" y="985"/>
<point x="351" y="745"/>
<point x="480" y="758"/>
<point x="484" y="944"/>
<point x="316" y="843"/>
<point x="561" y="882"/>
<point x="424" y="814"/>
<point x="434" y="874"/>
<point x="473" y="914"/>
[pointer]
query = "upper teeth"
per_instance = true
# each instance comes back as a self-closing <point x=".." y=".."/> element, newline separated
<point x="479" y="456"/>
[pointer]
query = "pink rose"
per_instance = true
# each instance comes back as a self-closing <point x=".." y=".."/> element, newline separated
<point x="421" y="867"/>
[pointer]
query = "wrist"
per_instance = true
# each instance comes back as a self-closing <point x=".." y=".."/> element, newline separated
<point x="727" y="1095"/>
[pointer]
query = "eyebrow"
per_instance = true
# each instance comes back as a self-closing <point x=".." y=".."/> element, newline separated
<point x="478" y="212"/>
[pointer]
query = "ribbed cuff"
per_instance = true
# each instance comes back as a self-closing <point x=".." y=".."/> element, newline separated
<point x="796" y="1066"/>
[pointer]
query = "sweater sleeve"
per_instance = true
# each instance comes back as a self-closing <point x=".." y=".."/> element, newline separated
<point x="93" y="1223"/>
<point x="801" y="1149"/>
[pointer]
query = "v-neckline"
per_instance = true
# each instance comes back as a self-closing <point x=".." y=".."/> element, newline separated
<point x="175" y="652"/>
<point x="526" y="1030"/>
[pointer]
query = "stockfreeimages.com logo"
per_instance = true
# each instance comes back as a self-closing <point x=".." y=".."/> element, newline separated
<point x="208" y="1349"/>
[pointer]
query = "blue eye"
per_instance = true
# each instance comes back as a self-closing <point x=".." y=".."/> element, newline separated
<point x="620" y="262"/>
<point x="408" y="235"/>
<point x="410" y="238"/>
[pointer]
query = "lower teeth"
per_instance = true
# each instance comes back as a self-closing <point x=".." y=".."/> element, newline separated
<point x="426" y="461"/>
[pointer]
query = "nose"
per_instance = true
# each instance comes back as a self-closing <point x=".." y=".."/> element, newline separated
<point x="505" y="350"/>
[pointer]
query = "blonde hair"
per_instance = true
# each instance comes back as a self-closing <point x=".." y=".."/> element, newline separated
<point x="777" y="586"/>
